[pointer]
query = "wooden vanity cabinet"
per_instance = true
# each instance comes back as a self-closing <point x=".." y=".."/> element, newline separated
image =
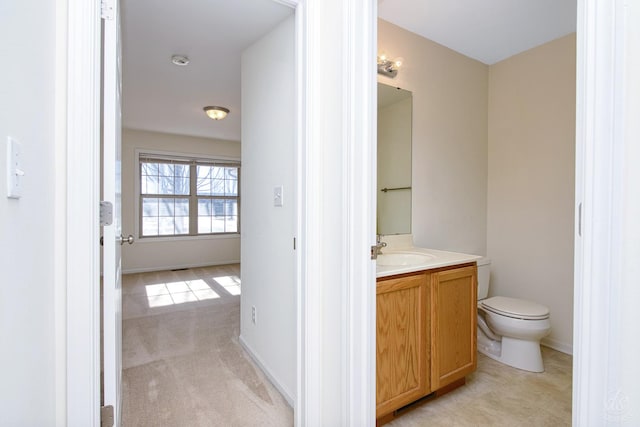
<point x="425" y="334"/>
<point x="453" y="325"/>
<point x="402" y="341"/>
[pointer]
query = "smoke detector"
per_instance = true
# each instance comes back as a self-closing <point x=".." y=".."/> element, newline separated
<point x="180" y="60"/>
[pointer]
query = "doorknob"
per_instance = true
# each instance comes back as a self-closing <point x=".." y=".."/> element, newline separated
<point x="120" y="239"/>
<point x="124" y="240"/>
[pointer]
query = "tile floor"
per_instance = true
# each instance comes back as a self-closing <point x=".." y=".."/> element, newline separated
<point x="498" y="395"/>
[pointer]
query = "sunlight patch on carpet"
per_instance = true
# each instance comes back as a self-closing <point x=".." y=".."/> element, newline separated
<point x="230" y="283"/>
<point x="171" y="293"/>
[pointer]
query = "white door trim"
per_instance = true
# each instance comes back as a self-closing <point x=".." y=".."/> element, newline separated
<point x="336" y="295"/>
<point x="78" y="192"/>
<point x="360" y="107"/>
<point x="605" y="371"/>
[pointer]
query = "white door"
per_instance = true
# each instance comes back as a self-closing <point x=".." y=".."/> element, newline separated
<point x="112" y="276"/>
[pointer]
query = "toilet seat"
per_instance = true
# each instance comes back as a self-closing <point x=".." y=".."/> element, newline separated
<point x="515" y="308"/>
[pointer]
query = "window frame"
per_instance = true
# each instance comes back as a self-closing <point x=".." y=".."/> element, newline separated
<point x="193" y="160"/>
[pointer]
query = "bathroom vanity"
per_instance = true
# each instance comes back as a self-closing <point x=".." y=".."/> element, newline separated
<point x="425" y="299"/>
<point x="426" y="326"/>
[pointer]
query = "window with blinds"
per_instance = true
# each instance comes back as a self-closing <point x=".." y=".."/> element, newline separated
<point x="188" y="197"/>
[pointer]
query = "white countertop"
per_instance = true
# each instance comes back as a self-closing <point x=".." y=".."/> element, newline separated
<point x="435" y="259"/>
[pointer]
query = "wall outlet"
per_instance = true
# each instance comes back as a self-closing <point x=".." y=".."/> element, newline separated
<point x="253" y="314"/>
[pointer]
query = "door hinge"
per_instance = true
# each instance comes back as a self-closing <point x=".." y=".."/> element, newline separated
<point x="106" y="9"/>
<point x="106" y="416"/>
<point x="294" y="243"/>
<point x="106" y="213"/>
<point x="374" y="251"/>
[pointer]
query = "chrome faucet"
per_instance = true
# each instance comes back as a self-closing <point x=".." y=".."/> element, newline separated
<point x="379" y="244"/>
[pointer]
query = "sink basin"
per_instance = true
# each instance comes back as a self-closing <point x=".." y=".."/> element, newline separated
<point x="402" y="258"/>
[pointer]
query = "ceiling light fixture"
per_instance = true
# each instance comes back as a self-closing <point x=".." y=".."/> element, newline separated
<point x="180" y="60"/>
<point x="388" y="67"/>
<point x="216" y="113"/>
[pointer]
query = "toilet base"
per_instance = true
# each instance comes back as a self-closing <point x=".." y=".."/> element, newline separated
<point x="521" y="354"/>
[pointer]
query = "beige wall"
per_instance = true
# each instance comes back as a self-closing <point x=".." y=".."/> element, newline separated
<point x="449" y="140"/>
<point x="153" y="254"/>
<point x="531" y="180"/>
<point x="493" y="163"/>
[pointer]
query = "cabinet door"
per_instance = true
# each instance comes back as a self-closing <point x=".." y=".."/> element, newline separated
<point x="453" y="316"/>
<point x="402" y="365"/>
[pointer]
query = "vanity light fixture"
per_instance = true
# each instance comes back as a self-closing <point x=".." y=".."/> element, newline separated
<point x="388" y="67"/>
<point x="216" y="113"/>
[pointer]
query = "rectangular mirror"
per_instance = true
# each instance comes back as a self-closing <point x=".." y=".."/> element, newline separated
<point x="394" y="160"/>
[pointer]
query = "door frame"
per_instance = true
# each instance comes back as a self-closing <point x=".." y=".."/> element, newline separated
<point x="78" y="263"/>
<point x="336" y="359"/>
<point x="605" y="373"/>
<point x="77" y="257"/>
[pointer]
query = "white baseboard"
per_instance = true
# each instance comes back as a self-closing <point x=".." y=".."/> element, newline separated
<point x="557" y="345"/>
<point x="176" y="267"/>
<point x="283" y="391"/>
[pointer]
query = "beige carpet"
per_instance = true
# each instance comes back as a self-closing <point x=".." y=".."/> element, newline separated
<point x="183" y="366"/>
<point x="182" y="363"/>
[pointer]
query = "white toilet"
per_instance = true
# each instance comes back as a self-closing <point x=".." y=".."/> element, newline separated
<point x="510" y="329"/>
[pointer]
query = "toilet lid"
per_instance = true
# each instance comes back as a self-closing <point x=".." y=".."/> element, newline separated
<point x="514" y="307"/>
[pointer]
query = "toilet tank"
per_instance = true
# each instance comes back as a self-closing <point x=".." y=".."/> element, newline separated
<point x="484" y="269"/>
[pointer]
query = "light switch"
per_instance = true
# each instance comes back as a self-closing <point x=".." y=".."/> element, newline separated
<point x="14" y="168"/>
<point x="277" y="196"/>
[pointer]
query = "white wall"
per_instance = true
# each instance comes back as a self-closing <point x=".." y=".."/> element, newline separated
<point x="27" y="106"/>
<point x="163" y="254"/>
<point x="268" y="160"/>
<point x="531" y="180"/>
<point x="449" y="139"/>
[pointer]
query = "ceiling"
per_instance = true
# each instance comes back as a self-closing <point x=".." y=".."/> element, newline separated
<point x="163" y="97"/>
<point x="160" y="96"/>
<point x="488" y="30"/>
